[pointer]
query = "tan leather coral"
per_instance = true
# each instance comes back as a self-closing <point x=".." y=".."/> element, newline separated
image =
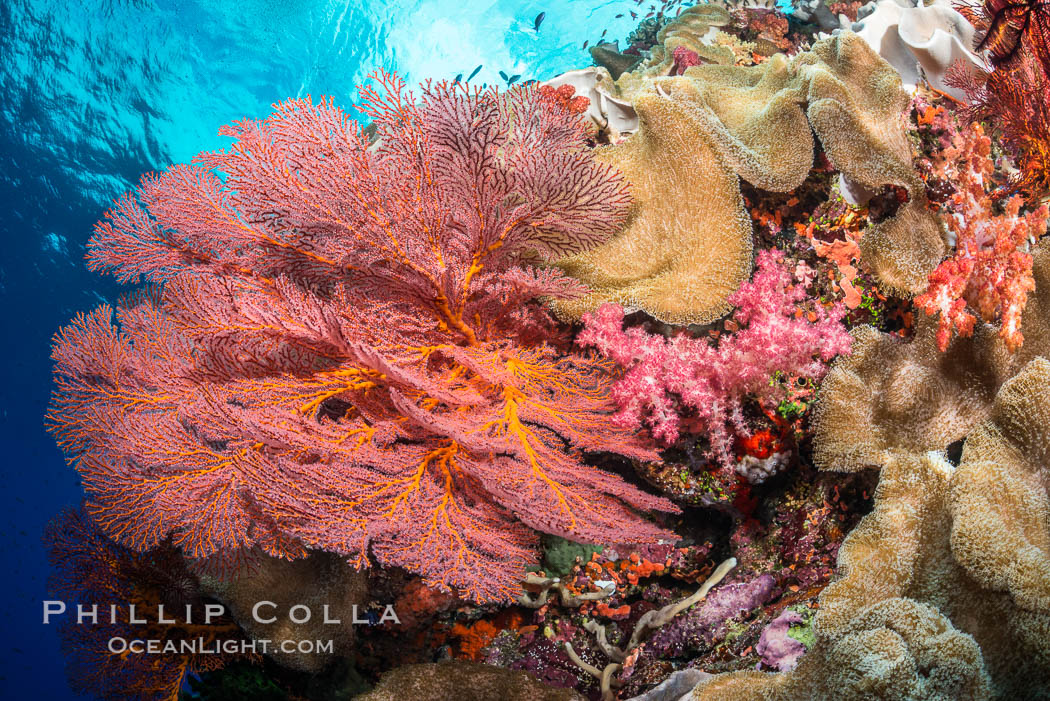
<point x="687" y="246"/>
<point x="1000" y="504"/>
<point x="756" y="122"/>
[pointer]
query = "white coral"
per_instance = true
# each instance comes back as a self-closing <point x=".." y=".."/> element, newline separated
<point x="919" y="41"/>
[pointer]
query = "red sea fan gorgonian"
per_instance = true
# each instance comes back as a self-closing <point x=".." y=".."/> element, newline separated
<point x="113" y="596"/>
<point x="342" y="348"/>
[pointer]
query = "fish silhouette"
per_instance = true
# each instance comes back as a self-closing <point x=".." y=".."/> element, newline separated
<point x="471" y="76"/>
<point x="539" y="21"/>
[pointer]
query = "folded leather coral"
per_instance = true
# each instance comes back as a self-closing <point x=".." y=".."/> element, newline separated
<point x="890" y="397"/>
<point x="687" y="246"/>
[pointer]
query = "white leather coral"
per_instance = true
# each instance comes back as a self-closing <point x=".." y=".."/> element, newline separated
<point x="919" y="40"/>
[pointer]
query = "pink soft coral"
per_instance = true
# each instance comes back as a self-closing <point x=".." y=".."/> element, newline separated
<point x="989" y="272"/>
<point x="666" y="376"/>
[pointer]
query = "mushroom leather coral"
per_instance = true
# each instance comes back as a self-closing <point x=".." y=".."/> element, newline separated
<point x="344" y="352"/>
<point x="1000" y="497"/>
<point x="687" y="246"/>
<point x="756" y="122"/>
<point x="902" y="618"/>
<point x="890" y="396"/>
<point x="893" y="396"/>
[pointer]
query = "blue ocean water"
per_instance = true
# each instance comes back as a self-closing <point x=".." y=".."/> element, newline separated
<point x="95" y="94"/>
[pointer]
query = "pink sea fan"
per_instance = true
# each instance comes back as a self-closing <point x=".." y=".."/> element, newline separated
<point x="344" y="350"/>
<point x="666" y="377"/>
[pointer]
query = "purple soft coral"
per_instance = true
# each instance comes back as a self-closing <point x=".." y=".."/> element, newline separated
<point x="664" y="376"/>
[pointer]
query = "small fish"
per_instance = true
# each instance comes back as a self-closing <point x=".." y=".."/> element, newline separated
<point x="513" y="79"/>
<point x="634" y="15"/>
<point x="538" y="22"/>
<point x="585" y="43"/>
<point x="618" y="16"/>
<point x="604" y="32"/>
<point x="459" y="77"/>
<point x="476" y="70"/>
<point x="504" y="76"/>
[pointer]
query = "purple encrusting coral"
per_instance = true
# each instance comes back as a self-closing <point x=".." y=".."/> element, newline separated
<point x="707" y="623"/>
<point x="778" y="649"/>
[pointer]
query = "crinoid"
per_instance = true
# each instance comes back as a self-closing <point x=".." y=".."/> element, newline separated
<point x="1010" y="24"/>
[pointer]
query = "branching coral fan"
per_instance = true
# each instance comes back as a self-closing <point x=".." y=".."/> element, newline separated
<point x="343" y="352"/>
<point x="665" y="376"/>
<point x="990" y="272"/>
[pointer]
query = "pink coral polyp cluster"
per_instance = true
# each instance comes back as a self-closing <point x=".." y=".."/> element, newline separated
<point x="666" y="378"/>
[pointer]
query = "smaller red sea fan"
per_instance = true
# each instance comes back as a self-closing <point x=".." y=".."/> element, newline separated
<point x="92" y="571"/>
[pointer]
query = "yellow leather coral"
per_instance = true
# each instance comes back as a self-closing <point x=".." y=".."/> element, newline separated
<point x="1000" y="504"/>
<point x="756" y="122"/>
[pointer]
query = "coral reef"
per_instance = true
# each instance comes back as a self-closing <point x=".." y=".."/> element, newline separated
<point x="954" y="560"/>
<point x="777" y="647"/>
<point x="896" y="649"/>
<point x="614" y="119"/>
<point x="891" y="396"/>
<point x="1015" y="104"/>
<point x="611" y="307"/>
<point x="650" y="621"/>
